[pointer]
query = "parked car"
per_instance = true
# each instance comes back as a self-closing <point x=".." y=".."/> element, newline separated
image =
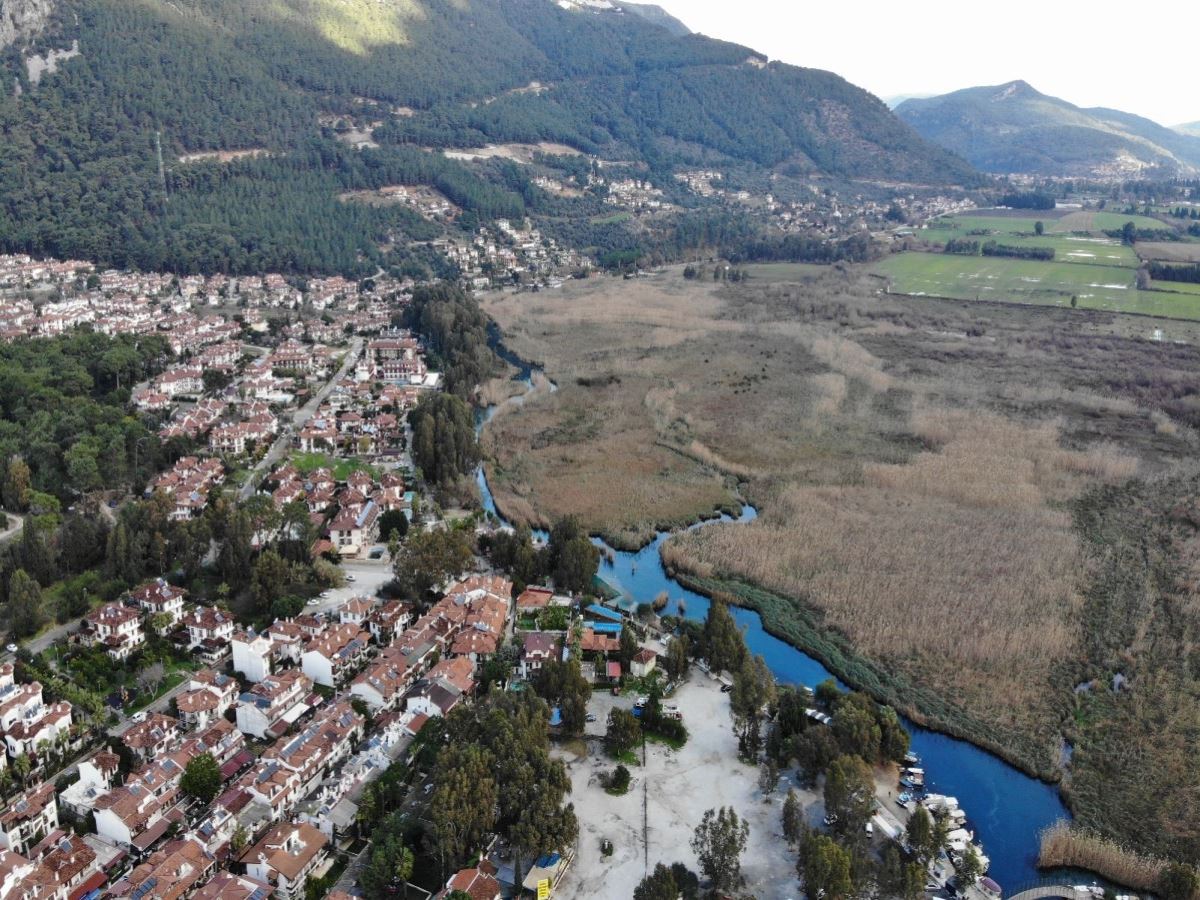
<point x="138" y="717"/>
<point x="12" y="648"/>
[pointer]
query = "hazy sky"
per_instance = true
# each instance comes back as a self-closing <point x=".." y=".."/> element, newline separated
<point x="1094" y="53"/>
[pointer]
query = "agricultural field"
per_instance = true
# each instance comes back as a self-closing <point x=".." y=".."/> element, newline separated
<point x="916" y="463"/>
<point x="1170" y="251"/>
<point x="1099" y="272"/>
<point x="783" y="271"/>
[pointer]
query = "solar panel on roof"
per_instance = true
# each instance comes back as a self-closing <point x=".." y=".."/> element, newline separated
<point x="144" y="888"/>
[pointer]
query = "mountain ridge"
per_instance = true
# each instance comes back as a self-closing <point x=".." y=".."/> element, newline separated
<point x="79" y="178"/>
<point x="1014" y="128"/>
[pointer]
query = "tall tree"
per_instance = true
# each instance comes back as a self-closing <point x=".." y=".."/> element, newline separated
<point x="428" y="558"/>
<point x="202" y="778"/>
<point x="849" y="795"/>
<point x="825" y="868"/>
<point x="24" y="604"/>
<point x="724" y="645"/>
<point x="658" y="885"/>
<point x="719" y="841"/>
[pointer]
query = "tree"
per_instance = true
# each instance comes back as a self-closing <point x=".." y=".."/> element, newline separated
<point x="658" y="885"/>
<point x="562" y="684"/>
<point x="272" y="575"/>
<point x="1129" y="234"/>
<point x="390" y="864"/>
<point x="825" y="868"/>
<point x="624" y="731"/>
<point x="719" y="841"/>
<point x="855" y="727"/>
<point x="151" y="677"/>
<point x="849" y="795"/>
<point x="921" y="836"/>
<point x="970" y="868"/>
<point x="393" y="523"/>
<point x="24" y="604"/>
<point x="899" y="877"/>
<point x="202" y="778"/>
<point x="574" y="559"/>
<point x="1039" y="228"/>
<point x="444" y="445"/>
<point x="428" y="558"/>
<point x="461" y="808"/>
<point x="627" y="647"/>
<point x="815" y="749"/>
<point x="768" y="776"/>
<point x="753" y="690"/>
<point x="724" y="645"/>
<point x="678" y="657"/>
<point x="793" y="817"/>
<point x="16" y="484"/>
<point x="894" y="738"/>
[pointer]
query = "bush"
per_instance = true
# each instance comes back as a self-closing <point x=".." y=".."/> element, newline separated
<point x="617" y="782"/>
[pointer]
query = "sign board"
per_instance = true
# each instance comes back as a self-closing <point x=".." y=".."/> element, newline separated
<point x="544" y="889"/>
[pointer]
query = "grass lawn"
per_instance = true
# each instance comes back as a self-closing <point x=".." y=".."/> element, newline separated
<point x="341" y="468"/>
<point x="614" y="219"/>
<point x="783" y="271"/>
<point x="1032" y="281"/>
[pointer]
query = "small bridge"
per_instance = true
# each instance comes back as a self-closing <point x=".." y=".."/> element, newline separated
<point x="1040" y="890"/>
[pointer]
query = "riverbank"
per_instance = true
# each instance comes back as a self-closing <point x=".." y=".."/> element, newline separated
<point x="795" y="623"/>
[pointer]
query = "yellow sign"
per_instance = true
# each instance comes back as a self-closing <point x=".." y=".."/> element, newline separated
<point x="544" y="889"/>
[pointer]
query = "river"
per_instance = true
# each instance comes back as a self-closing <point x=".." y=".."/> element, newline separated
<point x="1006" y="808"/>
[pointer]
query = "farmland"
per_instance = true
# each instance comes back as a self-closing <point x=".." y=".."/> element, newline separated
<point x="920" y="466"/>
<point x="1096" y="271"/>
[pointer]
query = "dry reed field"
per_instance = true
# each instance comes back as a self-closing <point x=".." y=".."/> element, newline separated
<point x="915" y="461"/>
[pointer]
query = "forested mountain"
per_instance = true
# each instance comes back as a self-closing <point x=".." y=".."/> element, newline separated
<point x="1014" y="128"/>
<point x="80" y="176"/>
<point x="1189" y="128"/>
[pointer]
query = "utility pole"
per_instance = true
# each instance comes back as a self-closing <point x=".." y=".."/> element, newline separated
<point x="162" y="172"/>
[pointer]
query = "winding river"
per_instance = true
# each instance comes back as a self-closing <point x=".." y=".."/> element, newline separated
<point x="1006" y="808"/>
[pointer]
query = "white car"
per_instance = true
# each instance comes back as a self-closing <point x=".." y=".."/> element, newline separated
<point x="138" y="717"/>
<point x="315" y="601"/>
<point x="349" y="577"/>
<point x="12" y="648"/>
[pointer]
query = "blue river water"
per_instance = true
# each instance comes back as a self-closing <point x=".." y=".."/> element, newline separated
<point x="1006" y="808"/>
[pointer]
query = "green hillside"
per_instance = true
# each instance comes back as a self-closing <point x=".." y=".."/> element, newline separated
<point x="1012" y="128"/>
<point x="79" y="176"/>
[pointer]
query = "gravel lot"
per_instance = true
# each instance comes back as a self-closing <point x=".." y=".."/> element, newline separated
<point x="678" y="786"/>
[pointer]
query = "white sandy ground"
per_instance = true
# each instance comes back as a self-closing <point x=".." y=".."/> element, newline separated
<point x="680" y="786"/>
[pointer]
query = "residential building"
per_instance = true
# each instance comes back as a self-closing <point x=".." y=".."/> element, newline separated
<point x="251" y="654"/>
<point x="332" y="657"/>
<point x="153" y="737"/>
<point x="479" y="882"/>
<point x="285" y="858"/>
<point x="227" y="886"/>
<point x="206" y="623"/>
<point x="174" y="872"/>
<point x="159" y="598"/>
<point x="208" y="695"/>
<point x="643" y="663"/>
<point x="274" y="702"/>
<point x="32" y="816"/>
<point x="538" y="648"/>
<point x="117" y="628"/>
<point x="95" y="779"/>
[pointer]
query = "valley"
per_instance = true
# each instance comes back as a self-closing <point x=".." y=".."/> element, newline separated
<point x="919" y="492"/>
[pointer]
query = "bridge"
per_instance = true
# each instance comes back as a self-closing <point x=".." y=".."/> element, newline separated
<point x="1039" y="890"/>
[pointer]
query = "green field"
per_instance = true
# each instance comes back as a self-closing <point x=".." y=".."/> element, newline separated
<point x="1081" y="221"/>
<point x="307" y="462"/>
<point x="783" y="271"/>
<point x="1031" y="281"/>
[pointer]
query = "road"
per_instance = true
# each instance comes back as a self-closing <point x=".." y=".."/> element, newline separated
<point x="368" y="576"/>
<point x="14" y="527"/>
<point x="299" y="419"/>
<point x="159" y="705"/>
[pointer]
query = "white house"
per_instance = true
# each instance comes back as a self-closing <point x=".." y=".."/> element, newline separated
<point x="277" y="698"/>
<point x="204" y="623"/>
<point x="118" y="628"/>
<point x="251" y="655"/>
<point x="157" y="598"/>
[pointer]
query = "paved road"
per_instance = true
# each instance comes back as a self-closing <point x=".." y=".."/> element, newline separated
<point x="159" y="705"/>
<point x="299" y="420"/>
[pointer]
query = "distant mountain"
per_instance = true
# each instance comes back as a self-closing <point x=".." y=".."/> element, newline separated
<point x="1188" y="128"/>
<point x="896" y="99"/>
<point x="255" y="108"/>
<point x="1012" y="128"/>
